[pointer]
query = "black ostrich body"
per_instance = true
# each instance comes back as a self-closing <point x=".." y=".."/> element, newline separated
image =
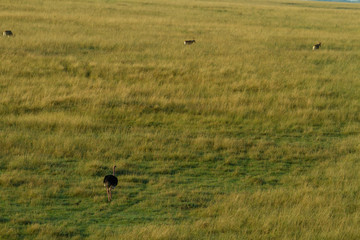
<point x="110" y="182"/>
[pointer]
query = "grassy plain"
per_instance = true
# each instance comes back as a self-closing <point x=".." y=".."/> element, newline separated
<point x="247" y="134"/>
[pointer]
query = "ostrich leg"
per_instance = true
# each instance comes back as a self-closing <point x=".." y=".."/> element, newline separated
<point x="107" y="191"/>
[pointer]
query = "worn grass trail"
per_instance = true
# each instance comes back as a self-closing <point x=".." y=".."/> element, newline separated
<point x="247" y="133"/>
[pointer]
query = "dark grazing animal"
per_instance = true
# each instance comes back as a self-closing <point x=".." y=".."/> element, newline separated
<point x="317" y="46"/>
<point x="110" y="182"/>
<point x="8" y="33"/>
<point x="189" y="42"/>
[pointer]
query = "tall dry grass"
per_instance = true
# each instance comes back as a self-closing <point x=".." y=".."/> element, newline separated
<point x="245" y="134"/>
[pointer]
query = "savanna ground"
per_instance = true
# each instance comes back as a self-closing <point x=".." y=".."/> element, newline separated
<point x="247" y="134"/>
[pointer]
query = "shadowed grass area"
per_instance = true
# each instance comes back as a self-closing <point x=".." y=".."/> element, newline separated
<point x="246" y="134"/>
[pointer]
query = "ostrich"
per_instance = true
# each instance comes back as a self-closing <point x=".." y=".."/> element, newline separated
<point x="317" y="46"/>
<point x="110" y="182"/>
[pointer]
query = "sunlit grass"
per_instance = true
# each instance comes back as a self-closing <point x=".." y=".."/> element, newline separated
<point x="246" y="134"/>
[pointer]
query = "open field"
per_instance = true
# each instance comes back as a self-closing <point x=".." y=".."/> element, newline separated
<point x="246" y="134"/>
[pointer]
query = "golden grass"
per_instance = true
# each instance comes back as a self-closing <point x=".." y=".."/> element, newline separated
<point x="247" y="134"/>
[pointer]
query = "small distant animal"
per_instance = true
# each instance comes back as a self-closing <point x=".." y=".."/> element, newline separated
<point x="8" y="33"/>
<point x="189" y="42"/>
<point x="317" y="46"/>
<point x="110" y="182"/>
